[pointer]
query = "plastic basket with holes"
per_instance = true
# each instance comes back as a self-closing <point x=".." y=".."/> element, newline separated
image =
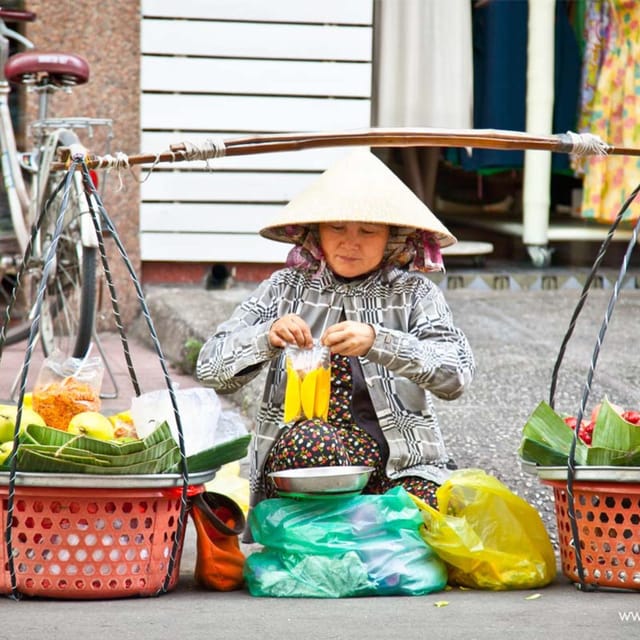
<point x="91" y="543"/>
<point x="608" y="520"/>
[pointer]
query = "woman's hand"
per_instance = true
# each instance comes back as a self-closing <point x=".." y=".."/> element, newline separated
<point x="290" y="329"/>
<point x="349" y="338"/>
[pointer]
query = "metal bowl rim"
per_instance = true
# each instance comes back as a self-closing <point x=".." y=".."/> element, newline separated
<point x="321" y="472"/>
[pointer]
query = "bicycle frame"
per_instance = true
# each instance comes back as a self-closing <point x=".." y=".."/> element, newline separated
<point x="25" y="199"/>
<point x="14" y="184"/>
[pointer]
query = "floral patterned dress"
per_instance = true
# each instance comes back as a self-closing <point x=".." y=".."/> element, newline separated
<point x="611" y="105"/>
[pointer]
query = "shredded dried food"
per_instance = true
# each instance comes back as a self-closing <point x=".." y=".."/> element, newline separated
<point x="58" y="402"/>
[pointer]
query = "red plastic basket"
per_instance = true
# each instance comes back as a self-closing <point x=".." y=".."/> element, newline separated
<point x="91" y="543"/>
<point x="608" y="520"/>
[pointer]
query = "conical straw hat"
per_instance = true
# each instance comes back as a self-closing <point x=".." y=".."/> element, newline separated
<point x="357" y="188"/>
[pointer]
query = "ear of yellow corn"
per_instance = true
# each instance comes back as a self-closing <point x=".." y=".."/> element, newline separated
<point x="307" y="395"/>
<point x="323" y="391"/>
<point x="292" y="395"/>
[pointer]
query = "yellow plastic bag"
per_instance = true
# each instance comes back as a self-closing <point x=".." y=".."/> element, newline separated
<point x="489" y="537"/>
<point x="229" y="483"/>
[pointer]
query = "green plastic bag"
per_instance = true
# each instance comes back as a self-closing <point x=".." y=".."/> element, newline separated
<point x="489" y="537"/>
<point x="355" y="546"/>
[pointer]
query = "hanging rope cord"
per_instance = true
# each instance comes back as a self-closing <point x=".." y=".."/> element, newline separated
<point x="571" y="461"/>
<point x="49" y="260"/>
<point x="99" y="214"/>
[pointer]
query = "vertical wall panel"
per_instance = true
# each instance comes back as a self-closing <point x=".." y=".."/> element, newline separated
<point x="222" y="68"/>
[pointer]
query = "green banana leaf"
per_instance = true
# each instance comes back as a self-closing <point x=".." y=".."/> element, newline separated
<point x="57" y="437"/>
<point x="44" y="449"/>
<point x="547" y="428"/>
<point x="533" y="451"/>
<point x="547" y="439"/>
<point x="612" y="431"/>
<point x="157" y="453"/>
<point x="218" y="455"/>
<point x="35" y="461"/>
<point x="160" y="433"/>
<point x="605" y="457"/>
<point x="68" y="453"/>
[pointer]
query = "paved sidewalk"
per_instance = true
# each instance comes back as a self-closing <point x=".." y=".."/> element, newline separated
<point x="515" y="336"/>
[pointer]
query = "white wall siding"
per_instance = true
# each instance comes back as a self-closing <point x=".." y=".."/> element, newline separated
<point x="262" y="113"/>
<point x="324" y="12"/>
<point x="255" y="77"/>
<point x="256" y="40"/>
<point x="231" y="68"/>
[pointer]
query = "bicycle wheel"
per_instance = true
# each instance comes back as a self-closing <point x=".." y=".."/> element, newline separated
<point x="67" y="314"/>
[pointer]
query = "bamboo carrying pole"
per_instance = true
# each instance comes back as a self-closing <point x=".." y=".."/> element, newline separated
<point x="579" y="144"/>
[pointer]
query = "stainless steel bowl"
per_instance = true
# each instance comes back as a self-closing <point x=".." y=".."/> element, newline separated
<point x="316" y="480"/>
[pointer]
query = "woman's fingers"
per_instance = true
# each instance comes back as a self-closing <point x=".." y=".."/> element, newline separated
<point x="290" y="329"/>
<point x="346" y="338"/>
<point x="349" y="338"/>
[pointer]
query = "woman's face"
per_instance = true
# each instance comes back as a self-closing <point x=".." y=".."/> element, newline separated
<point x="352" y="249"/>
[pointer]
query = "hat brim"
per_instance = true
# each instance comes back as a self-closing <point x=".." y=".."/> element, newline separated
<point x="357" y="188"/>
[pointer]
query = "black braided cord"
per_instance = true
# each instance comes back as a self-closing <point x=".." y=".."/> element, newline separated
<point x="33" y="332"/>
<point x="95" y="217"/>
<point x="571" y="462"/>
<point x="110" y="228"/>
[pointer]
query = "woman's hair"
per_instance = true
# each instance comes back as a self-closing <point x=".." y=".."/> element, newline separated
<point x="406" y="249"/>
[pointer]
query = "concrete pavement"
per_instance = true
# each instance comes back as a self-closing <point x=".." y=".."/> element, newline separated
<point x="515" y="331"/>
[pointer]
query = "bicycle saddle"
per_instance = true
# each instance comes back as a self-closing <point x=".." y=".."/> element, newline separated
<point x="61" y="69"/>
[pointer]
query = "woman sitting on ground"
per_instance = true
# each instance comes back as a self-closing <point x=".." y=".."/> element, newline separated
<point x="355" y="282"/>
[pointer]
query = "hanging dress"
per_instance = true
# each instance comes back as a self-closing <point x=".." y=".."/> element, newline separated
<point x="611" y="105"/>
<point x="500" y="37"/>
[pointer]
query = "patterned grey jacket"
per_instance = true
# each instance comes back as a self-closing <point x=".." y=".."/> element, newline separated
<point x="417" y="351"/>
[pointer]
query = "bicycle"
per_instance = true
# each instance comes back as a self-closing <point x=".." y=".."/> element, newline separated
<point x="67" y="315"/>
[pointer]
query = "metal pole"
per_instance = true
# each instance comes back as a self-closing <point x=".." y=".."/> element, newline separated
<point x="539" y="119"/>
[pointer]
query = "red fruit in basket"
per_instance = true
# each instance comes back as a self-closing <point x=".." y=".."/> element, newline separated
<point x="585" y="432"/>
<point x="631" y="416"/>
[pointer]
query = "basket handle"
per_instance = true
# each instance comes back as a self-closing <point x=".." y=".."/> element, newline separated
<point x="209" y="502"/>
<point x="587" y="285"/>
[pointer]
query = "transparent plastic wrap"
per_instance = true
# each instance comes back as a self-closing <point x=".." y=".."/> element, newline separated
<point x="358" y="546"/>
<point x="199" y="415"/>
<point x="308" y="383"/>
<point x="67" y="386"/>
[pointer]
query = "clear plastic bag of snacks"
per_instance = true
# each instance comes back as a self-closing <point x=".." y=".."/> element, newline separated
<point x="67" y="386"/>
<point x="308" y="383"/>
